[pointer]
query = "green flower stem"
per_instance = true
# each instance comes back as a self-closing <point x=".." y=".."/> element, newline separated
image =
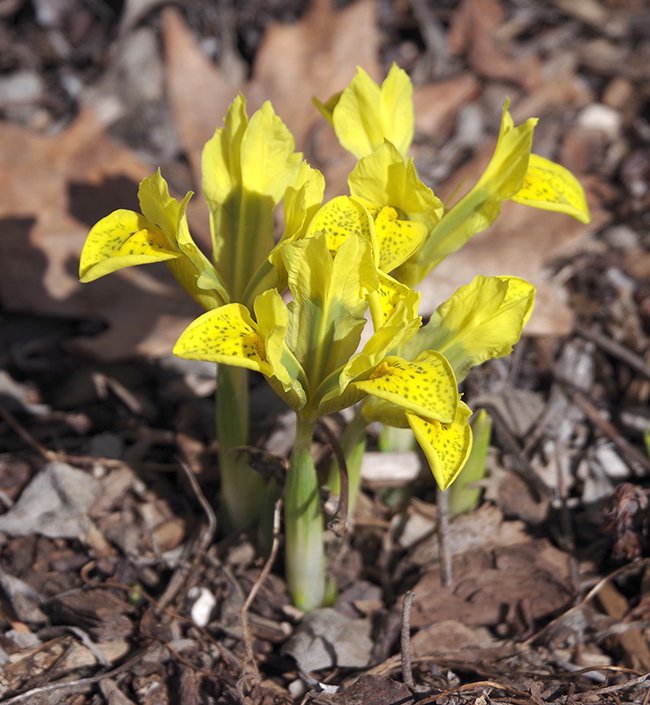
<point x="242" y="488"/>
<point x="305" y="552"/>
<point x="353" y="445"/>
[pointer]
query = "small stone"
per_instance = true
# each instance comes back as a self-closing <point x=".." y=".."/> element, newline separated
<point x="621" y="237"/>
<point x="20" y="87"/>
<point x="602" y="118"/>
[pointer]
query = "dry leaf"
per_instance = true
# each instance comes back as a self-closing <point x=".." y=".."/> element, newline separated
<point x="533" y="574"/>
<point x="198" y="91"/>
<point x="54" y="189"/>
<point x="473" y="32"/>
<point x="436" y="104"/>
<point x="316" y="56"/>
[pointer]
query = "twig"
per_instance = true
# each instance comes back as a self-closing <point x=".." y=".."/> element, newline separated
<point x="21" y="431"/>
<point x="446" y="569"/>
<point x="405" y="640"/>
<point x="266" y="569"/>
<point x="636" y="460"/>
<point x="338" y="523"/>
<point x="202" y="543"/>
<point x="614" y="688"/>
<point x="611" y="346"/>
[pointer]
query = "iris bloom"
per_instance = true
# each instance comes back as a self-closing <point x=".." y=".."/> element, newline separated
<point x="366" y="116"/>
<point x="307" y="350"/>
<point x="249" y="167"/>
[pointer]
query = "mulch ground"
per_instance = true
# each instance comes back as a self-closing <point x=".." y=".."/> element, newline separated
<point x="117" y="583"/>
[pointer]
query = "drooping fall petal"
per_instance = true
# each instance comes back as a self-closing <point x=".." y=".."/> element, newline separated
<point x="501" y="180"/>
<point x="340" y="218"/>
<point x="552" y="187"/>
<point x="446" y="446"/>
<point x="227" y="335"/>
<point x="122" y="239"/>
<point x="426" y="387"/>
<point x="397" y="238"/>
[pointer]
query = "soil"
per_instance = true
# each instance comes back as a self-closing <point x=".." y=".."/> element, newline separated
<point x="118" y="584"/>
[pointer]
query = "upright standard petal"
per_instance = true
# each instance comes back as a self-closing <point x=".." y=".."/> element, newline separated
<point x="481" y="321"/>
<point x="386" y="178"/>
<point x="247" y="167"/>
<point x="365" y="114"/>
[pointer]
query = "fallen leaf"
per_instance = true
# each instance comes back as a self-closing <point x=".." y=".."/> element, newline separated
<point x="198" y="91"/>
<point x="54" y="504"/>
<point x="436" y="104"/>
<point x="53" y="190"/>
<point x="316" y="56"/>
<point x="371" y="689"/>
<point x="473" y="32"/>
<point x="456" y="641"/>
<point x="533" y="574"/>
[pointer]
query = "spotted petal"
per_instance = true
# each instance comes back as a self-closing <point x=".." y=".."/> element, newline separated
<point x="122" y="239"/>
<point x="226" y="335"/>
<point x="426" y="387"/>
<point x="446" y="446"/>
<point x="552" y="187"/>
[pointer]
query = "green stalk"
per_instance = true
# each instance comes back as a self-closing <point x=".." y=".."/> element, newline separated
<point x="353" y="445"/>
<point x="303" y="516"/>
<point x="242" y="488"/>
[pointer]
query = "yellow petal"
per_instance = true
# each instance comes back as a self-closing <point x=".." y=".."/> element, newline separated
<point x="481" y="321"/>
<point x="426" y="387"/>
<point x="387" y="297"/>
<point x="552" y="187"/>
<point x="366" y="115"/>
<point x="273" y="320"/>
<point x="268" y="160"/>
<point x="221" y="156"/>
<point x="386" y="178"/>
<point x="340" y="218"/>
<point x="397" y="238"/>
<point x="226" y="335"/>
<point x="122" y="239"/>
<point x="446" y="446"/>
